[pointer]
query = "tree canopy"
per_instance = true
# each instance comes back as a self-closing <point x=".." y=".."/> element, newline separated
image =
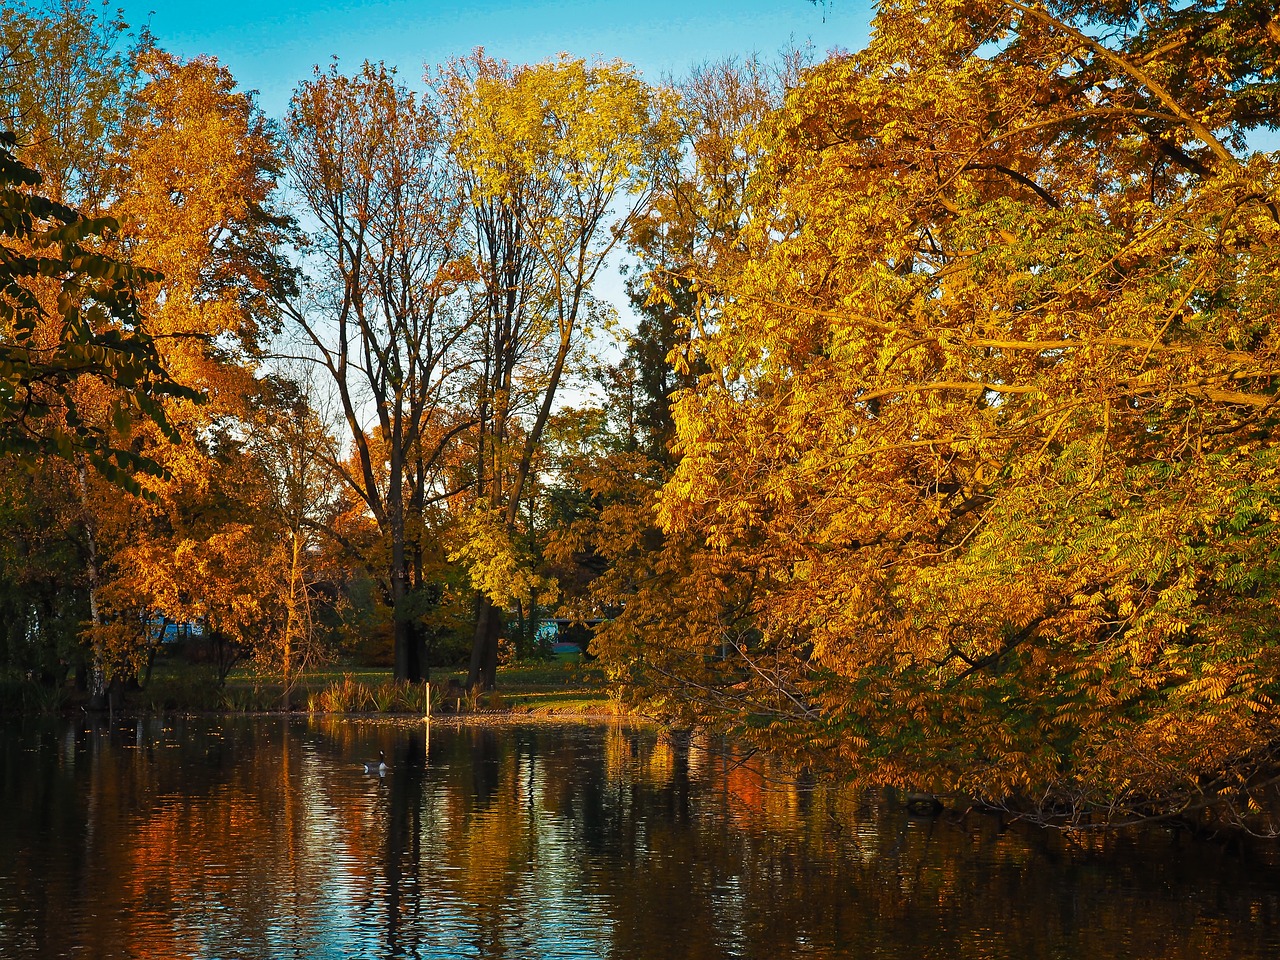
<point x="69" y="311"/>
<point x="978" y="494"/>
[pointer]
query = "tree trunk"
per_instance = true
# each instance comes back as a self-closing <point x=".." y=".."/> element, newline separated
<point x="404" y="636"/>
<point x="98" y="668"/>
<point x="406" y="666"/>
<point x="522" y="645"/>
<point x="290" y="619"/>
<point x="484" y="648"/>
<point x="410" y="664"/>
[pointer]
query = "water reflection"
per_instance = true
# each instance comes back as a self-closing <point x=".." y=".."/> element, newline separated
<point x="263" y="838"/>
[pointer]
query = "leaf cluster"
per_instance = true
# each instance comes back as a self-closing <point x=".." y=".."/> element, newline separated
<point x="975" y="492"/>
<point x="69" y="311"/>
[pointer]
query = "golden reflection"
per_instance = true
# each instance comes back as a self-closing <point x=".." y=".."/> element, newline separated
<point x="265" y="838"/>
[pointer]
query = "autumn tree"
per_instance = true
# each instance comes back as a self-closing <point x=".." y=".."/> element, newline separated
<point x="293" y="449"/>
<point x="369" y="161"/>
<point x="84" y="367"/>
<point x="194" y="194"/>
<point x="979" y="486"/>
<point x="555" y="160"/>
<point x="68" y="85"/>
<point x="608" y="534"/>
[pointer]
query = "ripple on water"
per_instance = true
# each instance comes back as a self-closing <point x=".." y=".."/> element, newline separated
<point x="264" y="838"/>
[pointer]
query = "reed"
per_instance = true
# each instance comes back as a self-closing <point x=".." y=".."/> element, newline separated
<point x="349" y="695"/>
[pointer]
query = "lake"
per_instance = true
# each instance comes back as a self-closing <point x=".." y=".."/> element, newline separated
<point x="264" y="838"/>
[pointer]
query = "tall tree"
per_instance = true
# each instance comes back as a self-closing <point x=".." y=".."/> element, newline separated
<point x="555" y="161"/>
<point x="691" y="231"/>
<point x="369" y="161"/>
<point x="70" y="84"/>
<point x="194" y="192"/>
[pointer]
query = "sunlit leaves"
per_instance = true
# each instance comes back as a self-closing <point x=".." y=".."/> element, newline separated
<point x="69" y="313"/>
<point x="555" y="161"/>
<point x="979" y="484"/>
<point x="493" y="563"/>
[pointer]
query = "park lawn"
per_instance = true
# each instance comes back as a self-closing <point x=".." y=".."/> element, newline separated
<point x="561" y="686"/>
<point x="564" y="686"/>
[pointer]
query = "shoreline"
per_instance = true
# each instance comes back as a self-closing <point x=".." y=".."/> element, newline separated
<point x="606" y="712"/>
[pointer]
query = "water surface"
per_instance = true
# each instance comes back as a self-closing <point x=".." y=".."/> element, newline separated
<point x="263" y="838"/>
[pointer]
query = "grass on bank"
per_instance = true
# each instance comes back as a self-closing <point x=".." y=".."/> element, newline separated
<point x="563" y="686"/>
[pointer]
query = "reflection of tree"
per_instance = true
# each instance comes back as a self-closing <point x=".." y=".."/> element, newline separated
<point x="245" y="832"/>
<point x="404" y="837"/>
<point x="196" y="838"/>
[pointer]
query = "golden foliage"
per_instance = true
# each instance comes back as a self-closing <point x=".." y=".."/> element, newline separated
<point x="485" y="550"/>
<point x="978" y="493"/>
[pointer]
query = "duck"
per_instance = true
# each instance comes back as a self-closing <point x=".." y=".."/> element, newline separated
<point x="380" y="767"/>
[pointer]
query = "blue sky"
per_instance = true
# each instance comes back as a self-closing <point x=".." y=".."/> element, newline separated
<point x="270" y="45"/>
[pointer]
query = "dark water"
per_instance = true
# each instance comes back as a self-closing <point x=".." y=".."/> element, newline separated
<point x="263" y="838"/>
